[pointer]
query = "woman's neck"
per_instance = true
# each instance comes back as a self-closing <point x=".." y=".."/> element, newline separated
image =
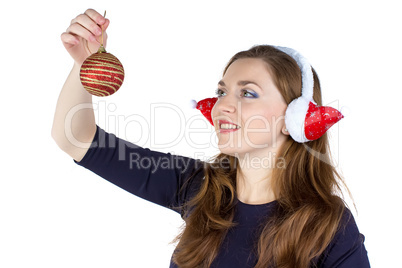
<point x="253" y="182"/>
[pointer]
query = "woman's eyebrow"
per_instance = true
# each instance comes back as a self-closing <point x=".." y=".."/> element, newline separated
<point x="240" y="83"/>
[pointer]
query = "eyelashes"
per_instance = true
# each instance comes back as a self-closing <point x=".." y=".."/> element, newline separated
<point x="253" y="94"/>
<point x="218" y="92"/>
<point x="245" y="93"/>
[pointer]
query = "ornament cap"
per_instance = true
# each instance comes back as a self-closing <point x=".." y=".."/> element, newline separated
<point x="101" y="49"/>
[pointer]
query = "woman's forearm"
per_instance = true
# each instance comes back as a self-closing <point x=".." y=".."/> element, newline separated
<point x="74" y="122"/>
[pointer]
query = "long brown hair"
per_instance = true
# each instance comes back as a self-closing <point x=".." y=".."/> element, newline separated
<point x="307" y="190"/>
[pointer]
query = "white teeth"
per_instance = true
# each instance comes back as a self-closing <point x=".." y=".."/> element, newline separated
<point x="229" y="126"/>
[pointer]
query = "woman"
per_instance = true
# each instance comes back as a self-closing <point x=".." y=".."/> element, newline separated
<point x="264" y="201"/>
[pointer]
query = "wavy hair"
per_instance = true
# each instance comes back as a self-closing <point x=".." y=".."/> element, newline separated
<point x="307" y="190"/>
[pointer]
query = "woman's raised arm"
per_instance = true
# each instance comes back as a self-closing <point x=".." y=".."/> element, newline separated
<point x="74" y="122"/>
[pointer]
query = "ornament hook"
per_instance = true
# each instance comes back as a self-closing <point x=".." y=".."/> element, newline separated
<point x="102" y="48"/>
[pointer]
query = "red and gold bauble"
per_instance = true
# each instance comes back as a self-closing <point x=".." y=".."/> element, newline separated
<point x="102" y="74"/>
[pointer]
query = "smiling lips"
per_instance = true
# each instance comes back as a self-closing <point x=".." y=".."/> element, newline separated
<point x="226" y="126"/>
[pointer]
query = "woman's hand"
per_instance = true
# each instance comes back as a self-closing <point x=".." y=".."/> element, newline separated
<point x="82" y="38"/>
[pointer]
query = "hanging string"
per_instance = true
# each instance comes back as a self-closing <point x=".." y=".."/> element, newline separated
<point x="101" y="48"/>
<point x="104" y="16"/>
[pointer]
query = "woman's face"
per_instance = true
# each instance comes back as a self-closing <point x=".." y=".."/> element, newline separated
<point x="249" y="114"/>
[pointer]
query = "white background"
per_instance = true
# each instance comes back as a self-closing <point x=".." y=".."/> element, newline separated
<point x="57" y="214"/>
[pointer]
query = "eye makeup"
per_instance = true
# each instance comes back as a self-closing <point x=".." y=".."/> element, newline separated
<point x="219" y="93"/>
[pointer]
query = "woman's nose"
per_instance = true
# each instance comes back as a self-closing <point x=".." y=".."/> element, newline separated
<point x="227" y="104"/>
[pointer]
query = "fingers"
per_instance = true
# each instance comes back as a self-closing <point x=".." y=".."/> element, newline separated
<point x="95" y="16"/>
<point x="88" y="26"/>
<point x="69" y="39"/>
<point x="82" y="31"/>
<point x="84" y="26"/>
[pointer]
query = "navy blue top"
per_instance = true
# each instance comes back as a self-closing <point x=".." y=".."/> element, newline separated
<point x="159" y="178"/>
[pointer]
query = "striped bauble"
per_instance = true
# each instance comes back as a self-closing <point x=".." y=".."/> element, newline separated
<point x="102" y="74"/>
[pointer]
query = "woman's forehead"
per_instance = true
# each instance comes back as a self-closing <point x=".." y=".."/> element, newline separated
<point x="245" y="71"/>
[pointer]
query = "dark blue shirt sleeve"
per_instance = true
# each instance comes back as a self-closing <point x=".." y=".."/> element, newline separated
<point x="162" y="178"/>
<point x="347" y="249"/>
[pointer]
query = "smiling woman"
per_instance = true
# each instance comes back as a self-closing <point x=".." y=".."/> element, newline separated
<point x="241" y="209"/>
<point x="295" y="216"/>
<point x="248" y="97"/>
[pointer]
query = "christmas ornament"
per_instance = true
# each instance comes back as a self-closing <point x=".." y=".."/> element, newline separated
<point x="305" y="121"/>
<point x="102" y="74"/>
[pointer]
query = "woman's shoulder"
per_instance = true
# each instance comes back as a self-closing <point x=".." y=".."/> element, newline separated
<point x="347" y="247"/>
<point x="348" y="232"/>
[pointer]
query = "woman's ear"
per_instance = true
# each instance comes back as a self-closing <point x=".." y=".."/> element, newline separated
<point x="285" y="131"/>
